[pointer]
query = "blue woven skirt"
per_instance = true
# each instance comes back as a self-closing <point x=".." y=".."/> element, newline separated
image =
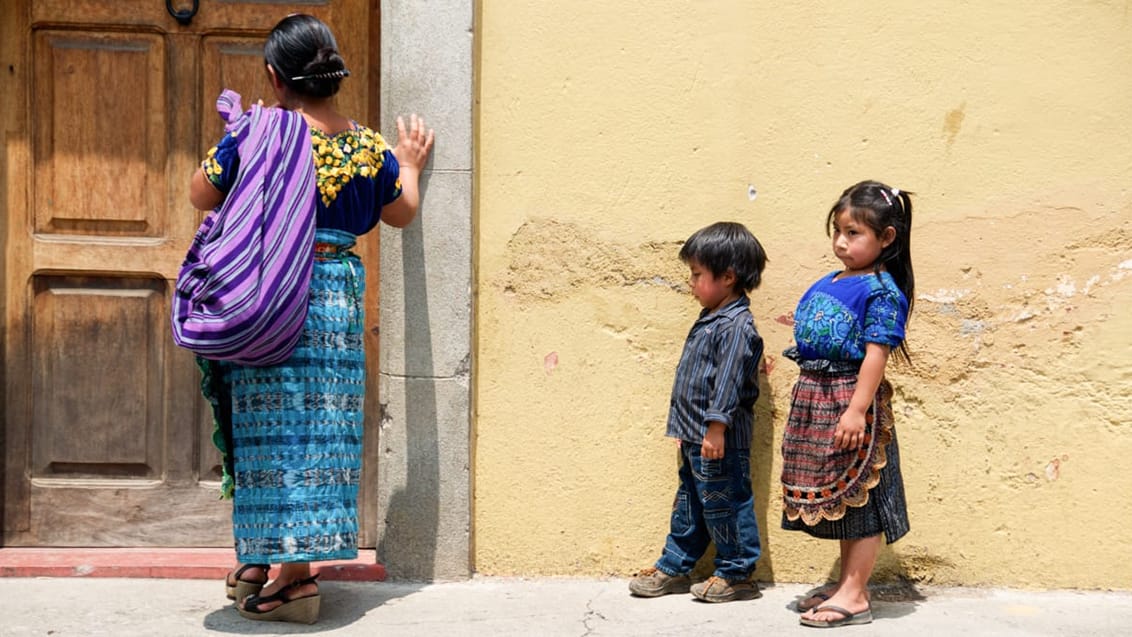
<point x="296" y="427"/>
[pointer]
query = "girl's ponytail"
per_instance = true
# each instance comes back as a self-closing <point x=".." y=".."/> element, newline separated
<point x="897" y="257"/>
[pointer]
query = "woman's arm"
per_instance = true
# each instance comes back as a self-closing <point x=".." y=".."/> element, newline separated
<point x="411" y="152"/>
<point x="202" y="194"/>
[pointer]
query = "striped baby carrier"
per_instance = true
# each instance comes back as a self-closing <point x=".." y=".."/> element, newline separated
<point x="242" y="292"/>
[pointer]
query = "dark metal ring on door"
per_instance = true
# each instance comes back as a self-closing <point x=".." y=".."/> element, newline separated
<point x="184" y="16"/>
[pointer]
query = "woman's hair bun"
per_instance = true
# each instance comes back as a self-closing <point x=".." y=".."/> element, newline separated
<point x="302" y="50"/>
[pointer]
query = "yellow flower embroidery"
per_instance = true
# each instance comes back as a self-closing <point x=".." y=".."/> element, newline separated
<point x="212" y="168"/>
<point x="339" y="158"/>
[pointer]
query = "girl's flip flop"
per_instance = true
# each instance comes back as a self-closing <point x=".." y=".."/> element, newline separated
<point x="846" y="619"/>
<point x="812" y="601"/>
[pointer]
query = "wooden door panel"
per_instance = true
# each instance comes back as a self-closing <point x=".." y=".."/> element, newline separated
<point x="125" y="13"/>
<point x="107" y="441"/>
<point x="122" y="191"/>
<point x="121" y="514"/>
<point x="105" y="468"/>
<point x="261" y="15"/>
<point x="213" y="15"/>
<point x="106" y="424"/>
<point x="234" y="63"/>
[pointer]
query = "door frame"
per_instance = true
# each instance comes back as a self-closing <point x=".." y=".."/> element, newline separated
<point x="15" y="151"/>
<point x="17" y="175"/>
<point x="447" y="31"/>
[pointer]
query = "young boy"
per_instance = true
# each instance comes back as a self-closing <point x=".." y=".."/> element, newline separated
<point x="711" y="414"/>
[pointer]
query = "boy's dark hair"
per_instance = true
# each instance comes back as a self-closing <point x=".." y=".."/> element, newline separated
<point x="724" y="246"/>
<point x="304" y="54"/>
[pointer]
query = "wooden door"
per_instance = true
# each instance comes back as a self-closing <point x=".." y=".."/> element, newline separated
<point x="107" y="441"/>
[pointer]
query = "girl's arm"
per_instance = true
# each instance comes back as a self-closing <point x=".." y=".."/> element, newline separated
<point x="411" y="152"/>
<point x="850" y="430"/>
<point x="202" y="194"/>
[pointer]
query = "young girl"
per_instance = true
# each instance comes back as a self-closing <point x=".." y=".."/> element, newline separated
<point x="294" y="430"/>
<point x="841" y="466"/>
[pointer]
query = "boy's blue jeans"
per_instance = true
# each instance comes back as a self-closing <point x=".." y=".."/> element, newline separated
<point x="713" y="503"/>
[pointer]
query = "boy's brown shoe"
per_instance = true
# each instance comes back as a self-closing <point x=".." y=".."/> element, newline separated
<point x="716" y="589"/>
<point x="654" y="583"/>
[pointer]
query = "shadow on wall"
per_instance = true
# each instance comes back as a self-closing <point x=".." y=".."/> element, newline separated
<point x="412" y="514"/>
<point x="766" y="483"/>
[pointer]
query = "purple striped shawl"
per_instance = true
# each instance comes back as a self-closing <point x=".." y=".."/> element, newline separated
<point x="242" y="292"/>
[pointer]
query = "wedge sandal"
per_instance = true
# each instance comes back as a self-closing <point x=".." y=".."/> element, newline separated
<point x="298" y="610"/>
<point x="242" y="588"/>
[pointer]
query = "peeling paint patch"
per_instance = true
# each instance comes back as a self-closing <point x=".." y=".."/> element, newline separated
<point x="551" y="260"/>
<point x="1065" y="287"/>
<point x="678" y="286"/>
<point x="785" y="319"/>
<point x="550" y="363"/>
<point x="1122" y="270"/>
<point x="1053" y="469"/>
<point x="1093" y="280"/>
<point x="943" y="296"/>
<point x="969" y="327"/>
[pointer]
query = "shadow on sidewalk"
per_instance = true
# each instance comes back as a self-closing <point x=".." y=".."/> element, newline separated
<point x="343" y="604"/>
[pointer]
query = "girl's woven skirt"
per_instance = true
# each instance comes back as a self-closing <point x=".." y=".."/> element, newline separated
<point x="840" y="494"/>
<point x="297" y="427"/>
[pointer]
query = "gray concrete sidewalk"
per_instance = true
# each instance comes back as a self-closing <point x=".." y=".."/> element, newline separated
<point x="551" y="607"/>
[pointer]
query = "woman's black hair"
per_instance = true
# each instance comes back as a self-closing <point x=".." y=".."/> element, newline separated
<point x="724" y="246"/>
<point x="304" y="54"/>
<point x="879" y="206"/>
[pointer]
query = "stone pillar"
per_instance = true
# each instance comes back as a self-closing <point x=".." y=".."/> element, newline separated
<point x="424" y="467"/>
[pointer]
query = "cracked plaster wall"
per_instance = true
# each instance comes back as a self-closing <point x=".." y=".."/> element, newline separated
<point x="607" y="134"/>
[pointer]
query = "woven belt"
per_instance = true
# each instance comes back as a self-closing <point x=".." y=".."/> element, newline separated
<point x="334" y="252"/>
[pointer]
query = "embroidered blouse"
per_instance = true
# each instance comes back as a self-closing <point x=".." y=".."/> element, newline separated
<point x="835" y="319"/>
<point x="356" y="173"/>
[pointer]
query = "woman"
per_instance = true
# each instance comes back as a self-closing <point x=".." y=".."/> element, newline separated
<point x="292" y="433"/>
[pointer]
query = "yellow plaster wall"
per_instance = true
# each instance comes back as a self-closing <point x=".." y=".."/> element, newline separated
<point x="607" y="132"/>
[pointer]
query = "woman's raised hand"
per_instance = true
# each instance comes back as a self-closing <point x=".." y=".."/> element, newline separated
<point x="413" y="144"/>
<point x="411" y="151"/>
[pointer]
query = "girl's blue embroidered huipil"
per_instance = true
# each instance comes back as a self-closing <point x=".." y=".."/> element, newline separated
<point x="717" y="377"/>
<point x="835" y="319"/>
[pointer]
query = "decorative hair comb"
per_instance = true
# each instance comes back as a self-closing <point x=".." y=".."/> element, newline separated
<point x="331" y="75"/>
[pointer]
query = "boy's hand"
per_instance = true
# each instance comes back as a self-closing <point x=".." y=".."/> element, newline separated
<point x="714" y="442"/>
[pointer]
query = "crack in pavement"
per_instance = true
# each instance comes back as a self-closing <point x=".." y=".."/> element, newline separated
<point x="590" y="615"/>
